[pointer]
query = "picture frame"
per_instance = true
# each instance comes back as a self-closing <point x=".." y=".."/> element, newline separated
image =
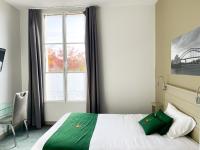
<point x="185" y="54"/>
<point x="2" y="55"/>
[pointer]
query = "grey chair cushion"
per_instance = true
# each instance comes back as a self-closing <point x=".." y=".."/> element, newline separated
<point x="20" y="107"/>
<point x="19" y="110"/>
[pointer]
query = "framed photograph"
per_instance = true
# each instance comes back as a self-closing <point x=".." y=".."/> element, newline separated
<point x="2" y="55"/>
<point x="185" y="54"/>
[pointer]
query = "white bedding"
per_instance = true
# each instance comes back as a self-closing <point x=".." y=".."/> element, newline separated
<point x="122" y="132"/>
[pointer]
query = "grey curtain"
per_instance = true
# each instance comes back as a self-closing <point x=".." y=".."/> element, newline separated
<point x="92" y="60"/>
<point x="36" y="82"/>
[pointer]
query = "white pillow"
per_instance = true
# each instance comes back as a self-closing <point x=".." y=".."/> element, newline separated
<point x="182" y="125"/>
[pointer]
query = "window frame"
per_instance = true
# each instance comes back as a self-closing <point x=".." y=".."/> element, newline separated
<point x="64" y="44"/>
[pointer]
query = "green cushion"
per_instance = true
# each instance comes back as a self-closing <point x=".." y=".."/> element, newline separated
<point x="166" y="119"/>
<point x="151" y="124"/>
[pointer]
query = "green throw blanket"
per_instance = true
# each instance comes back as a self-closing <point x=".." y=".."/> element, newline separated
<point x="74" y="134"/>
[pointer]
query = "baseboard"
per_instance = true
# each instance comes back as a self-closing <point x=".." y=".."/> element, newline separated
<point x="50" y="123"/>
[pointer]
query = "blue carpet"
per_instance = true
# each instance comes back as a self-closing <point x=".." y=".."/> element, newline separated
<point x="23" y="143"/>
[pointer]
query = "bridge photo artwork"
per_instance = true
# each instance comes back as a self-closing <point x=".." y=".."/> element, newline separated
<point x="185" y="54"/>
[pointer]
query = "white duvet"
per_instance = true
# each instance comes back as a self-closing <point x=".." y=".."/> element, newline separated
<point x="122" y="132"/>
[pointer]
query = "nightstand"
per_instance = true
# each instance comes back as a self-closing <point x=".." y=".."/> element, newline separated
<point x="156" y="106"/>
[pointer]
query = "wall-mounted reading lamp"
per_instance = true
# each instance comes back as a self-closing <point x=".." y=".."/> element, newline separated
<point x="164" y="87"/>
<point x="198" y="97"/>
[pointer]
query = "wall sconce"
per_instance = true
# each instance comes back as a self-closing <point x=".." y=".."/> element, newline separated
<point x="198" y="97"/>
<point x="164" y="86"/>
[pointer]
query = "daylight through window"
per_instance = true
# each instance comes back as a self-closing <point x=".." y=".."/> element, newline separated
<point x="65" y="65"/>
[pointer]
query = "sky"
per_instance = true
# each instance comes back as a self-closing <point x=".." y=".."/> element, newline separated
<point x="185" y="41"/>
<point x="75" y="28"/>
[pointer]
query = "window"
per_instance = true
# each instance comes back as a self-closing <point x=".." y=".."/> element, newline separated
<point x="65" y="65"/>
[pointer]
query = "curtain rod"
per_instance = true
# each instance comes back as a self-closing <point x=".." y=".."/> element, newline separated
<point x="60" y="7"/>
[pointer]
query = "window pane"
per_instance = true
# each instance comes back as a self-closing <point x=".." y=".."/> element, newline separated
<point x="54" y="86"/>
<point x="53" y="29"/>
<point x="54" y="60"/>
<point x="76" y="58"/>
<point x="75" y="28"/>
<point x="76" y="86"/>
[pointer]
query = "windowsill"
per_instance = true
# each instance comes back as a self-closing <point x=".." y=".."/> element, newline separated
<point x="65" y="101"/>
<point x="54" y="101"/>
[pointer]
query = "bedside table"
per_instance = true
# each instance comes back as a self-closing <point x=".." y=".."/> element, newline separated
<point x="156" y="106"/>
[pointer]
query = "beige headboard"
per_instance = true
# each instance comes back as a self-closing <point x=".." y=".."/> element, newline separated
<point x="185" y="101"/>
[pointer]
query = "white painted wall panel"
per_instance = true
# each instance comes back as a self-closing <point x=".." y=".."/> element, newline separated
<point x="127" y="37"/>
<point x="10" y="77"/>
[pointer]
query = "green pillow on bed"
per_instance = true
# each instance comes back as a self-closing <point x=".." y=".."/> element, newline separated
<point x="151" y="124"/>
<point x="166" y="119"/>
<point x="157" y="122"/>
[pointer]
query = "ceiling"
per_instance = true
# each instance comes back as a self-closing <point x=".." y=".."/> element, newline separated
<point x="69" y="3"/>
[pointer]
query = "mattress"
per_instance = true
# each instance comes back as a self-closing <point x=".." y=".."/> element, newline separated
<point x="123" y="132"/>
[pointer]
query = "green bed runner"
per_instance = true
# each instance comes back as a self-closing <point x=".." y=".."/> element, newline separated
<point x="74" y="134"/>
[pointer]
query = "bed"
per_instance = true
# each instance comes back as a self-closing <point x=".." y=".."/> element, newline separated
<point x="123" y="132"/>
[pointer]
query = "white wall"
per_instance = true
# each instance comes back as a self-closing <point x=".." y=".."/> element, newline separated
<point x="24" y="47"/>
<point x="127" y="44"/>
<point x="10" y="77"/>
<point x="127" y="35"/>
